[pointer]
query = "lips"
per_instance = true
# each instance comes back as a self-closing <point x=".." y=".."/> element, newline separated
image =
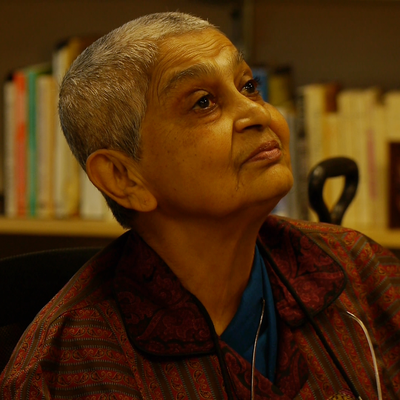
<point x="268" y="151"/>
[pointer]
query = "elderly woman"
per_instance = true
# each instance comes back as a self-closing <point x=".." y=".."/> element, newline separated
<point x="206" y="296"/>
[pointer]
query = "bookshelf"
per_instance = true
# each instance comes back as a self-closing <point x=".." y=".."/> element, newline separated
<point x="68" y="227"/>
<point x="354" y="42"/>
<point x="389" y="238"/>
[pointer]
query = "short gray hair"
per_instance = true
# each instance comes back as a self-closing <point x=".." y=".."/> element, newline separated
<point x="103" y="95"/>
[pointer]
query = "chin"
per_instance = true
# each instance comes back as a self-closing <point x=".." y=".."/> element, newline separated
<point x="283" y="182"/>
<point x="281" y="188"/>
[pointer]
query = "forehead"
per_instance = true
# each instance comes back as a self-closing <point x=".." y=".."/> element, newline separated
<point x="190" y="56"/>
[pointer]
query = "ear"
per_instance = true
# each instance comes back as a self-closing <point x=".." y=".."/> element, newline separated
<point x="116" y="175"/>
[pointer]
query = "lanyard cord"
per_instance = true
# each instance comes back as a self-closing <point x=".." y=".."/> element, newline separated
<point x="253" y="358"/>
<point x="371" y="349"/>
<point x="312" y="323"/>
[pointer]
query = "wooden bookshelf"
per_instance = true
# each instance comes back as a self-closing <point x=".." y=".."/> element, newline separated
<point x="68" y="227"/>
<point x="282" y="32"/>
<point x="389" y="238"/>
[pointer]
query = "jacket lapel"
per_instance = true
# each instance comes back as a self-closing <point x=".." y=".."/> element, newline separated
<point x="162" y="318"/>
<point x="316" y="277"/>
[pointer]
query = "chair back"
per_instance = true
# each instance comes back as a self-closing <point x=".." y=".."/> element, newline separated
<point x="27" y="283"/>
<point x="331" y="168"/>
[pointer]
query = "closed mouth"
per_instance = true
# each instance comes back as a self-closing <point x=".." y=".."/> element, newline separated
<point x="267" y="151"/>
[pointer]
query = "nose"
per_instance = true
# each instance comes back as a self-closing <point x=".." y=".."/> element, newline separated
<point x="251" y="115"/>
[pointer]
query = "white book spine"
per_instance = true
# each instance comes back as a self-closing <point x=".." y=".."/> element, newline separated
<point x="66" y="168"/>
<point x="92" y="202"/>
<point x="45" y="128"/>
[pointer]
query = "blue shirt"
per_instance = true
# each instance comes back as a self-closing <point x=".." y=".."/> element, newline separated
<point x="241" y="332"/>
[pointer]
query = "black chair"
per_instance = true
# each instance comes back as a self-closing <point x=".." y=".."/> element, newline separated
<point x="330" y="168"/>
<point x="28" y="282"/>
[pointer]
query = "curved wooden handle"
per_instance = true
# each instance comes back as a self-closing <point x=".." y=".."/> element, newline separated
<point x="330" y="168"/>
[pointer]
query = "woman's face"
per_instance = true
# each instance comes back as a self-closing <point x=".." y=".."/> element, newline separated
<point x="210" y="145"/>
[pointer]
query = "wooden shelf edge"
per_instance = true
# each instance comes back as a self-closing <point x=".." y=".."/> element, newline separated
<point x="68" y="227"/>
<point x="389" y="238"/>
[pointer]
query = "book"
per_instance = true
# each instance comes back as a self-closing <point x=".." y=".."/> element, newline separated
<point x="66" y="168"/>
<point x="280" y="88"/>
<point x="45" y="131"/>
<point x="319" y="100"/>
<point x="368" y="154"/>
<point x="348" y="136"/>
<point x="93" y="205"/>
<point x="21" y="143"/>
<point x="10" y="202"/>
<point x="391" y="102"/>
<point x="360" y="142"/>
<point x="32" y="73"/>
<point x="314" y="103"/>
<point x="25" y="137"/>
<point x="301" y="166"/>
<point x="379" y="174"/>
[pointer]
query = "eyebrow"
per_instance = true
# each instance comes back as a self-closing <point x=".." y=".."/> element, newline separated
<point x="198" y="70"/>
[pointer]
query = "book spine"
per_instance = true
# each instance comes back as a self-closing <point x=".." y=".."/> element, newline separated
<point x="10" y="202"/>
<point x="66" y="168"/>
<point x="32" y="145"/>
<point x="20" y="142"/>
<point x="92" y="203"/>
<point x="347" y="131"/>
<point x="369" y="158"/>
<point x="302" y="157"/>
<point x="45" y="129"/>
<point x="378" y="178"/>
<point x="314" y="109"/>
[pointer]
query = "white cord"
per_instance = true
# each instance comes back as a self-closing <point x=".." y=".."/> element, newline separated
<point x="371" y="348"/>
<point x="253" y="358"/>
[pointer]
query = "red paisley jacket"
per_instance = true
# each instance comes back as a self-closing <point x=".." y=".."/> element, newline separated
<point x="125" y="328"/>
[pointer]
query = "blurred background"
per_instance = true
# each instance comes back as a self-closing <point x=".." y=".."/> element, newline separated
<point x="301" y="47"/>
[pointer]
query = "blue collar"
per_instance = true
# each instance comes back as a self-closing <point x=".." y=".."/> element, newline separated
<point x="241" y="332"/>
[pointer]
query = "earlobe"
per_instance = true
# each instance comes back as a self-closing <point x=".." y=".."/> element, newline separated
<point x="116" y="175"/>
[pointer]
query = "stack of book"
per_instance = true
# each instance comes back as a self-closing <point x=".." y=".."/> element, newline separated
<point x="360" y="124"/>
<point x="41" y="177"/>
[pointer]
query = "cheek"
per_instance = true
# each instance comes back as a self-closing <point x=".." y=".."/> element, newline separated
<point x="191" y="153"/>
<point x="206" y="147"/>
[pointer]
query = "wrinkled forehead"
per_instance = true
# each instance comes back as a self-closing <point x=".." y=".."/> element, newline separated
<point x="192" y="56"/>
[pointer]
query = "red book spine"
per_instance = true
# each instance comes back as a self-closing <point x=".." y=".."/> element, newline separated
<point x="21" y="143"/>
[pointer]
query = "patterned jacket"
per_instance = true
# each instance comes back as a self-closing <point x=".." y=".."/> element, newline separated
<point x="125" y="328"/>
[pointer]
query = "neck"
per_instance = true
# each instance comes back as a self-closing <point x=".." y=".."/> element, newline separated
<point x="212" y="259"/>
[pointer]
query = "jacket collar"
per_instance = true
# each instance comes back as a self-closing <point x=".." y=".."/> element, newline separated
<point x="163" y="318"/>
<point x="305" y="261"/>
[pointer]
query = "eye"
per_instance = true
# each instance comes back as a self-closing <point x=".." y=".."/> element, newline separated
<point x="205" y="102"/>
<point x="251" y="86"/>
